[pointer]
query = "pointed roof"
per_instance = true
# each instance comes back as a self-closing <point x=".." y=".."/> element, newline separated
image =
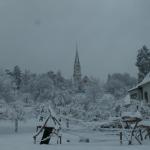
<point x="145" y="81"/>
<point x="77" y="61"/>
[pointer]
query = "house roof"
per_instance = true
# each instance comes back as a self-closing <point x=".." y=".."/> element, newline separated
<point x="145" y="81"/>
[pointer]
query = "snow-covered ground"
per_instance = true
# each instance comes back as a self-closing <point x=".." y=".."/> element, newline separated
<point x="72" y="139"/>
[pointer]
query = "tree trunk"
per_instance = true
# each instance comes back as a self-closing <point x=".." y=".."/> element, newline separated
<point x="16" y="125"/>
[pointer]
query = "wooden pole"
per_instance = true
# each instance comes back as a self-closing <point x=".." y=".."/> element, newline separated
<point x="60" y="139"/>
<point x="121" y="138"/>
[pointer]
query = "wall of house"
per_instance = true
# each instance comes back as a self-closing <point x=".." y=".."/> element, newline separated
<point x="146" y="93"/>
<point x="134" y="94"/>
<point x="141" y="93"/>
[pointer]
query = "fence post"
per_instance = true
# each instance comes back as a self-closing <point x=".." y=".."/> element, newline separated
<point x="121" y="138"/>
<point x="60" y="139"/>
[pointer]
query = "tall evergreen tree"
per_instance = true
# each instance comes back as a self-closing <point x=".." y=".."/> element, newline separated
<point x="143" y="62"/>
<point x="17" y="76"/>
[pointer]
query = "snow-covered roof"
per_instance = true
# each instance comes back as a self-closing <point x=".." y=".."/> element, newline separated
<point x="145" y="81"/>
<point x="132" y="114"/>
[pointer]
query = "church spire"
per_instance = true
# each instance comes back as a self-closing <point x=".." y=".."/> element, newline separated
<point x="77" y="70"/>
<point x="77" y="61"/>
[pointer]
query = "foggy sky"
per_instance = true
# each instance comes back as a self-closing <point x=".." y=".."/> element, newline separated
<point x="41" y="35"/>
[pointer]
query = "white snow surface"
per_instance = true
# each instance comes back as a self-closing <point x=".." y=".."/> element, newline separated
<point x="132" y="114"/>
<point x="72" y="138"/>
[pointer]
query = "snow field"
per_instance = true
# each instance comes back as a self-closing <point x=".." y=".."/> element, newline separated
<point x="72" y="139"/>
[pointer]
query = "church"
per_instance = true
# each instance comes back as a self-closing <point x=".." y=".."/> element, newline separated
<point x="78" y="82"/>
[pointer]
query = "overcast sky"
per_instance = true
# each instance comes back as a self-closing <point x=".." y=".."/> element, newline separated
<point x="41" y="35"/>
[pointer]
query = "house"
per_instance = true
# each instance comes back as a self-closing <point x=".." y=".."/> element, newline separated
<point x="141" y="91"/>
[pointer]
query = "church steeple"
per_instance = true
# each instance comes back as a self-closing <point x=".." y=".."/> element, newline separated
<point x="77" y="61"/>
<point x="77" y="70"/>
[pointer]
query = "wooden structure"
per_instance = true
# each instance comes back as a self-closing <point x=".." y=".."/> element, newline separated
<point x="130" y="129"/>
<point x="48" y="131"/>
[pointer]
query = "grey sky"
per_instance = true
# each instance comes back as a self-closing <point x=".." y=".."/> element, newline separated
<point x="40" y="35"/>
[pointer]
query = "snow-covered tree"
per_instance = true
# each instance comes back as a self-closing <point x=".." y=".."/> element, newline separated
<point x="16" y="76"/>
<point x="118" y="84"/>
<point x="94" y="90"/>
<point x="26" y="79"/>
<point x="6" y="91"/>
<point x="143" y="62"/>
<point x="16" y="113"/>
<point x="42" y="88"/>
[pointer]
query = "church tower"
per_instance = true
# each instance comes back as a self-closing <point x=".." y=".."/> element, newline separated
<point x="77" y="71"/>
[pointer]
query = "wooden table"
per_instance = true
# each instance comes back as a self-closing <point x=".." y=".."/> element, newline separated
<point x="130" y="129"/>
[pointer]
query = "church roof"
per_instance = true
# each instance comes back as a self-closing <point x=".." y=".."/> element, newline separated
<point x="77" y="61"/>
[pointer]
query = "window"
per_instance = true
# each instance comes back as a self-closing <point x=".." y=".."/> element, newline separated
<point x="134" y="96"/>
<point x="146" y="96"/>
